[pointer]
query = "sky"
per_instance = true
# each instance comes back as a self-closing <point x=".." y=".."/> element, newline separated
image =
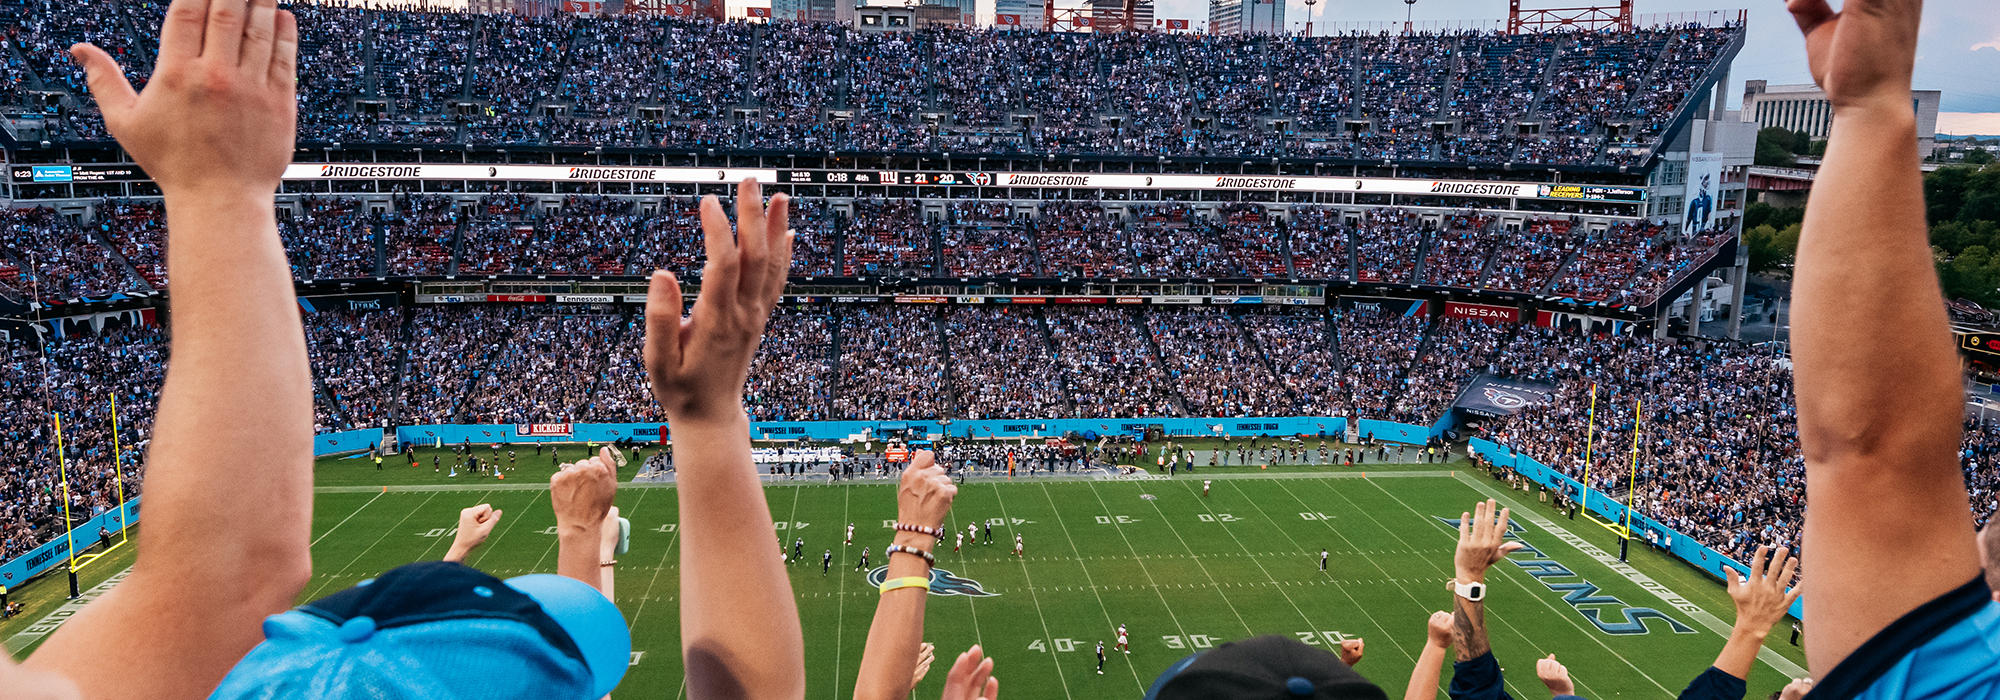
<point x="1958" y="49"/>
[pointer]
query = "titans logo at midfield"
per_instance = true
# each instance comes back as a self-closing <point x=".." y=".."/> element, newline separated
<point x="942" y="583"/>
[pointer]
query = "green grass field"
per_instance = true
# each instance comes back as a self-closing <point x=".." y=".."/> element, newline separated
<point x="1182" y="571"/>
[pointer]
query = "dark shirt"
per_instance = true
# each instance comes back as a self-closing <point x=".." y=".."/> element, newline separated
<point x="1714" y="684"/>
<point x="1477" y="679"/>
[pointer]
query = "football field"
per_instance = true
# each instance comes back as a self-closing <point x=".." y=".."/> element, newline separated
<point x="1181" y="570"/>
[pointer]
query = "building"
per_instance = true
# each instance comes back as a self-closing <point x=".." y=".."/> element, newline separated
<point x="897" y="18"/>
<point x="1107" y="15"/>
<point x="1246" y="17"/>
<point x="813" y="10"/>
<point x="1804" y="108"/>
<point x="1031" y="13"/>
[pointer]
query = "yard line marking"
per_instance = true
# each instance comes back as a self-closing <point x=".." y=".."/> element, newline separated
<point x="1666" y="595"/>
<point x="1155" y="585"/>
<point x="648" y="597"/>
<point x="1061" y="678"/>
<point x="1399" y="584"/>
<point x="440" y="540"/>
<point x="343" y="521"/>
<point x="1394" y="640"/>
<point x="48" y="624"/>
<point x="1197" y="562"/>
<point x="1514" y="574"/>
<point x="371" y="547"/>
<point x="511" y="522"/>
<point x="1273" y="579"/>
<point x="840" y="609"/>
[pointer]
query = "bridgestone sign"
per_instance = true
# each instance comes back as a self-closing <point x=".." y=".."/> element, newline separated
<point x="1361" y="185"/>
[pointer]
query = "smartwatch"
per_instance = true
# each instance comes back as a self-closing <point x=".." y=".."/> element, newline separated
<point x="1474" y="592"/>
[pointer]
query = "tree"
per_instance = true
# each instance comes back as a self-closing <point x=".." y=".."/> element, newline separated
<point x="1772" y="249"/>
<point x="1979" y="157"/>
<point x="1759" y="214"/>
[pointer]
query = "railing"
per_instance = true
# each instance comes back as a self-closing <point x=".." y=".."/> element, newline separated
<point x="1700" y="18"/>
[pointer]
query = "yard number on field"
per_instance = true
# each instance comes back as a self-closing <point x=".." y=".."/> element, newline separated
<point x="1217" y="518"/>
<point x="794" y="526"/>
<point x="1315" y="516"/>
<point x="667" y="527"/>
<point x="1120" y="519"/>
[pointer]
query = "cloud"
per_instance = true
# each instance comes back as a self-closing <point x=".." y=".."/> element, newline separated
<point x="1968" y="123"/>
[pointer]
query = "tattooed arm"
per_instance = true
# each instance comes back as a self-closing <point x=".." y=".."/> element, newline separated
<point x="1481" y="542"/>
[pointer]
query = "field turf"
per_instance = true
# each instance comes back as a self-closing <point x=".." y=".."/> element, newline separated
<point x="1181" y="570"/>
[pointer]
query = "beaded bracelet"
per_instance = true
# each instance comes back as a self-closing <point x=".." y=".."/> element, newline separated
<point x="894" y="548"/>
<point x="937" y="532"/>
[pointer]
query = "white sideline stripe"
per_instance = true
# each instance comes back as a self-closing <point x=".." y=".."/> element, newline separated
<point x="1665" y="594"/>
<point x="343" y="521"/>
<point x="53" y="620"/>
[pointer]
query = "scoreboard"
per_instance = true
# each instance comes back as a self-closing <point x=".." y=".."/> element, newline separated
<point x="1598" y="193"/>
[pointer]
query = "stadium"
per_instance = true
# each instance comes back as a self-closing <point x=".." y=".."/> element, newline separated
<point x="1223" y="333"/>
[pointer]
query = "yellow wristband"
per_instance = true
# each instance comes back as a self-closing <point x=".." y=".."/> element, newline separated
<point x="906" y="582"/>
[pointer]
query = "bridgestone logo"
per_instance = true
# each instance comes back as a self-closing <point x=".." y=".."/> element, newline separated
<point x="1049" y="180"/>
<point x="612" y="174"/>
<point x="370" y="171"/>
<point x="1468" y="188"/>
<point x="1258" y="183"/>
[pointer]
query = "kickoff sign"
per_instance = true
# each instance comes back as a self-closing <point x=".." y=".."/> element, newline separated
<point x="542" y="429"/>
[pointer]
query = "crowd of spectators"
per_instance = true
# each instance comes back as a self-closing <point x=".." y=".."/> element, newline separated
<point x="1530" y="258"/>
<point x="1079" y="240"/>
<point x="1719" y="456"/>
<point x="1319" y="244"/>
<point x="431" y="76"/>
<point x="1302" y="358"/>
<point x="356" y="358"/>
<point x="1377" y="347"/>
<point x="137" y="229"/>
<point x="1386" y="244"/>
<point x="60" y="259"/>
<point x="1001" y="365"/>
<point x="1255" y="240"/>
<point x="448" y="347"/>
<point x="1458" y="349"/>
<point x="1458" y="252"/>
<point x="1610" y="259"/>
<point x="792" y="375"/>
<point x="1214" y="366"/>
<point x="891" y="364"/>
<point x="888" y="238"/>
<point x="985" y="240"/>
<point x="1172" y="242"/>
<point x="328" y="238"/>
<point x="421" y="235"/>
<point x="547" y="370"/>
<point x="1109" y="368"/>
<point x="76" y="377"/>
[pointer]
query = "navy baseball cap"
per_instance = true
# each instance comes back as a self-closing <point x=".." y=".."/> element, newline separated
<point x="1270" y="667"/>
<point x="441" y="630"/>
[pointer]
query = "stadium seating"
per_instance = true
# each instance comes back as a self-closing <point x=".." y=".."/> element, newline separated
<point x="429" y="76"/>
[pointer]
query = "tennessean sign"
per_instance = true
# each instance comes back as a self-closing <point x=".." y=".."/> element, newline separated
<point x="1160" y="181"/>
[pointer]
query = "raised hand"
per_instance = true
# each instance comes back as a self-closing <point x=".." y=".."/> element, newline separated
<point x="1760" y="595"/>
<point x="971" y="678"/>
<point x="697" y="365"/>
<point x="474" y="524"/>
<point x="1439" y="629"/>
<point x="1863" y="54"/>
<point x="1796" y="689"/>
<point x="926" y="655"/>
<point x="1351" y="650"/>
<point x="925" y="494"/>
<point x="1554" y="675"/>
<point x="220" y="112"/>
<point x="1481" y="541"/>
<point x="582" y="492"/>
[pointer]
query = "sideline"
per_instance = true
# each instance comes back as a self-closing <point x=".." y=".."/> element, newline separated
<point x="543" y="486"/>
<point x="49" y="623"/>
<point x="1666" y="595"/>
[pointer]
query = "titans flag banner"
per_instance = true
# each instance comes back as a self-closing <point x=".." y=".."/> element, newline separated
<point x="1492" y="397"/>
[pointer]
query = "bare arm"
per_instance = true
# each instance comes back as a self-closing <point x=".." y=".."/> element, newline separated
<point x="581" y="494"/>
<point x="739" y="624"/>
<point x="1430" y="662"/>
<point x="890" y="659"/>
<point x="1879" y="406"/>
<point x="1761" y="601"/>
<point x="226" y="539"/>
<point x="474" y="524"/>
<point x="1481" y="542"/>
